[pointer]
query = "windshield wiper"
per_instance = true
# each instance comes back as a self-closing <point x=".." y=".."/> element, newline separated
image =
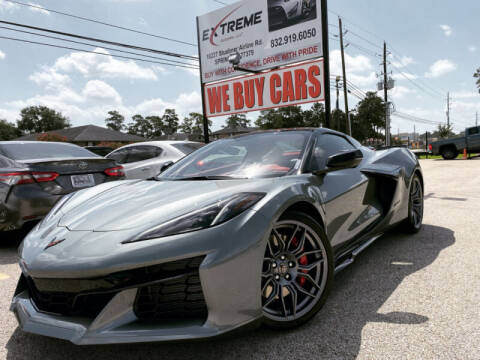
<point x="213" y="177"/>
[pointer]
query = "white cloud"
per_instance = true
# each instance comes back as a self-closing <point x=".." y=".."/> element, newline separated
<point x="447" y="30"/>
<point x="50" y="78"/>
<point x="38" y="9"/>
<point x="103" y="66"/>
<point x="404" y="61"/>
<point x="100" y="91"/>
<point x="399" y="92"/>
<point x="359" y="68"/>
<point x="472" y="49"/>
<point x="441" y="67"/>
<point x="2" y="55"/>
<point x="465" y="95"/>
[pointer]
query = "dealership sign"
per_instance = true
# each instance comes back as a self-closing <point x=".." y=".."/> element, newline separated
<point x="266" y="34"/>
<point x="291" y="85"/>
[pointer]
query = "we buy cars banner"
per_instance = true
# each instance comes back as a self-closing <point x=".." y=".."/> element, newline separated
<point x="291" y="85"/>
<point x="266" y="33"/>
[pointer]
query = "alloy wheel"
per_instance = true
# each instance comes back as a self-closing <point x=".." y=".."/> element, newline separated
<point x="416" y="202"/>
<point x="294" y="273"/>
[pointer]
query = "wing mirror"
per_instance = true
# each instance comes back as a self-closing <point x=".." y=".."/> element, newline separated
<point x="343" y="160"/>
<point x="166" y="166"/>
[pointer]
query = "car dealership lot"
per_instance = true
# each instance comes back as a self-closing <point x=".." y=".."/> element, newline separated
<point x="406" y="297"/>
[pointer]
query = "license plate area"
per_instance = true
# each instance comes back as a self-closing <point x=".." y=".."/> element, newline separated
<point x="82" y="181"/>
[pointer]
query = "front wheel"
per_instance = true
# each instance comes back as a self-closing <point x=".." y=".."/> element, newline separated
<point x="297" y="271"/>
<point x="449" y="153"/>
<point x="413" y="223"/>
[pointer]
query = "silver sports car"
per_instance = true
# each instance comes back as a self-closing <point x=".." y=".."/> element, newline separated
<point x="244" y="230"/>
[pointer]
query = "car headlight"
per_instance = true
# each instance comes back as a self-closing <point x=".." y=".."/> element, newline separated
<point x="54" y="211"/>
<point x="211" y="215"/>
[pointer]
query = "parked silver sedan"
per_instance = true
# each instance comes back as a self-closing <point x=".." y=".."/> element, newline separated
<point x="145" y="160"/>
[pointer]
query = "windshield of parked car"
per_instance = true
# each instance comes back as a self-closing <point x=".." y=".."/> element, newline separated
<point x="187" y="148"/>
<point x="32" y="151"/>
<point x="271" y="154"/>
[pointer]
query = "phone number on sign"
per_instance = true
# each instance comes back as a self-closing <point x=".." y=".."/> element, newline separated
<point x="291" y="38"/>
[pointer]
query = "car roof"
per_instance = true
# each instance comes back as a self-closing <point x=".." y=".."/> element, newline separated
<point x="36" y="142"/>
<point x="160" y="143"/>
<point x="307" y="129"/>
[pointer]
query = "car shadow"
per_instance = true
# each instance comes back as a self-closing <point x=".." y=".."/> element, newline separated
<point x="335" y="333"/>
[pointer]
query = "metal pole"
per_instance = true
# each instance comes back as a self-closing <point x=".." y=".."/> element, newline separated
<point x="337" y="81"/>
<point x="385" y="90"/>
<point x="426" y="143"/>
<point x="345" y="93"/>
<point x="448" y="110"/>
<point x="326" y="61"/>
<point x="476" y="119"/>
<point x="206" y="134"/>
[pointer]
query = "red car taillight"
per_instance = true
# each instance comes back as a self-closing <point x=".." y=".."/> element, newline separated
<point x="19" y="178"/>
<point x="116" y="171"/>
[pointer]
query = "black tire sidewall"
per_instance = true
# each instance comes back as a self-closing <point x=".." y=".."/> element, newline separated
<point x="410" y="225"/>
<point x="449" y="154"/>
<point x="315" y="226"/>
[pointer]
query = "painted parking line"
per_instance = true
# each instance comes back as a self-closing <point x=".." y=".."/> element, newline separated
<point x="4" y="276"/>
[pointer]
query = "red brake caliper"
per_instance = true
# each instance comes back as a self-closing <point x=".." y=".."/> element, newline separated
<point x="303" y="261"/>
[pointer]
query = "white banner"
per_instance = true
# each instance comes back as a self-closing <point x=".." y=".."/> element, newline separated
<point x="291" y="85"/>
<point x="266" y="34"/>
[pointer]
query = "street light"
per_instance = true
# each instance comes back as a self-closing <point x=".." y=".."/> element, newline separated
<point x="235" y="59"/>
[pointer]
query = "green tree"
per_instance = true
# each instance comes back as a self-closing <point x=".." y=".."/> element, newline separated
<point x="38" y="119"/>
<point x="237" y="121"/>
<point x="477" y="76"/>
<point x="370" y="118"/>
<point x="193" y="124"/>
<point x="115" y="121"/>
<point x="170" y="121"/>
<point x="315" y="117"/>
<point x="158" y="127"/>
<point x="8" y="131"/>
<point x="445" y="131"/>
<point x="282" y="118"/>
<point x="141" y="127"/>
<point x="186" y="125"/>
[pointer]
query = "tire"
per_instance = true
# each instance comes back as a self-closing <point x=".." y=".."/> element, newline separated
<point x="449" y="153"/>
<point x="297" y="271"/>
<point x="413" y="223"/>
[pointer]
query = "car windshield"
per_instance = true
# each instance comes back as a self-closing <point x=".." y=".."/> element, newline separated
<point x="260" y="155"/>
<point x="187" y="148"/>
<point x="32" y="151"/>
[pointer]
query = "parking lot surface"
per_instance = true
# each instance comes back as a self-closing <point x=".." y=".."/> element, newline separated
<point x="406" y="297"/>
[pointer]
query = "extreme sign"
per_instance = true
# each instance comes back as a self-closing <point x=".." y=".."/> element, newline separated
<point x="266" y="33"/>
<point x="291" y="85"/>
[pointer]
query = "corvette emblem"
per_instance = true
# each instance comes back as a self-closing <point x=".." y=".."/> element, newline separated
<point x="82" y="165"/>
<point x="53" y="243"/>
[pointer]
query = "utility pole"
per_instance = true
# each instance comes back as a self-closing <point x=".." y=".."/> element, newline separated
<point x="448" y="109"/>
<point x="385" y="90"/>
<point x="337" y="86"/>
<point x="326" y="61"/>
<point x="345" y="93"/>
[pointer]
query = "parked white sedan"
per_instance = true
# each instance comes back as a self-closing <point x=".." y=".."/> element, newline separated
<point x="145" y="160"/>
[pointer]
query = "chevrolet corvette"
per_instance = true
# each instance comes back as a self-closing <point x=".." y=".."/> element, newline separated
<point x="245" y="230"/>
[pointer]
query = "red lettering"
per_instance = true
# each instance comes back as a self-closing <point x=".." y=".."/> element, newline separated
<point x="288" y="92"/>
<point x="275" y="81"/>
<point x="316" y="89"/>
<point x="249" y="93"/>
<point x="259" y="84"/>
<point x="238" y="95"/>
<point x="300" y="84"/>
<point x="226" y="97"/>
<point x="214" y="100"/>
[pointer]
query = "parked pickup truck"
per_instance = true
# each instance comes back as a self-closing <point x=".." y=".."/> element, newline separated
<point x="450" y="148"/>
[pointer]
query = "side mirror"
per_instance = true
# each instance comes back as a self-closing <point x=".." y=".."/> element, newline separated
<point x="343" y="160"/>
<point x="166" y="166"/>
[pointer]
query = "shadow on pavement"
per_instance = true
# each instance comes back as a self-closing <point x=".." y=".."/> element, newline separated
<point x="335" y="333"/>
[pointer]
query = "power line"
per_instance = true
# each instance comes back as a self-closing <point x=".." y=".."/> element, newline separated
<point x="96" y="53"/>
<point x="166" y="53"/>
<point x="101" y="22"/>
<point x="103" y="47"/>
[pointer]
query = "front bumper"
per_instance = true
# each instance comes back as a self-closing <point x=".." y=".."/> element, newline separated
<point x="230" y="277"/>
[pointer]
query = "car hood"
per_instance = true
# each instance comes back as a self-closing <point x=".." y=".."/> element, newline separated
<point x="139" y="204"/>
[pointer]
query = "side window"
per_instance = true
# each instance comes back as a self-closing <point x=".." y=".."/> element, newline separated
<point x="326" y="146"/>
<point x="119" y="156"/>
<point x="141" y="153"/>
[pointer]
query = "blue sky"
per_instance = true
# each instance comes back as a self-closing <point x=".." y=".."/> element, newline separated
<point x="436" y="44"/>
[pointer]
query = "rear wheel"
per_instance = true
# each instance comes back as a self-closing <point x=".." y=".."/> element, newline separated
<point x="449" y="153"/>
<point x="414" y="221"/>
<point x="297" y="271"/>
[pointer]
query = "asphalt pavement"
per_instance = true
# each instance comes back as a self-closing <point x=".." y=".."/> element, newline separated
<point x="406" y="297"/>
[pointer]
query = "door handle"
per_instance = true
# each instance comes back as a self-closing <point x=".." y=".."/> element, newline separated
<point x="145" y="169"/>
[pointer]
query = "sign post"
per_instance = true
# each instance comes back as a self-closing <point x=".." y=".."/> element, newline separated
<point x="206" y="134"/>
<point x="264" y="37"/>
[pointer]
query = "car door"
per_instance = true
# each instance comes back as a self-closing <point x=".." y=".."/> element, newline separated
<point x="473" y="139"/>
<point x="140" y="164"/>
<point x="343" y="191"/>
